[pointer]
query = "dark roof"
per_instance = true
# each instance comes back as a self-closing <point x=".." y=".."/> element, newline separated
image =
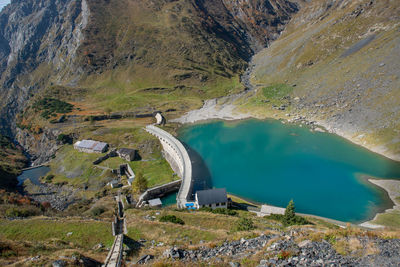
<point x="126" y="151"/>
<point x="211" y="196"/>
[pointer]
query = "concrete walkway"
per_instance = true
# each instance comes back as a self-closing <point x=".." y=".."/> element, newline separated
<point x="114" y="257"/>
<point x="178" y="153"/>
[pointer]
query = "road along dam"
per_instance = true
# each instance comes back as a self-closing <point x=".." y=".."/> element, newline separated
<point x="178" y="158"/>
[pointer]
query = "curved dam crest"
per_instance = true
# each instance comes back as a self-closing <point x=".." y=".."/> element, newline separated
<point x="270" y="162"/>
<point x="178" y="158"/>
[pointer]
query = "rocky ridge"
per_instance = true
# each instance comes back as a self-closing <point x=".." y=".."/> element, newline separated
<point x="46" y="43"/>
<point x="282" y="250"/>
<point x="38" y="39"/>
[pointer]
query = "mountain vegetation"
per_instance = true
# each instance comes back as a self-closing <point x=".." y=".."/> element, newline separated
<point x="337" y="64"/>
<point x="99" y="69"/>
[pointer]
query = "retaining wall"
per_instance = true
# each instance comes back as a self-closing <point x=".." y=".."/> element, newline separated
<point x="159" y="191"/>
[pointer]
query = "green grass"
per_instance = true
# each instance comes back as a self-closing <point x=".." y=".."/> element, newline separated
<point x="74" y="167"/>
<point x="153" y="166"/>
<point x="85" y="234"/>
<point x="391" y="219"/>
<point x="277" y="91"/>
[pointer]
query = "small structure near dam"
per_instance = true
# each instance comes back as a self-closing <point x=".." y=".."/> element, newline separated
<point x="127" y="154"/>
<point x="211" y="198"/>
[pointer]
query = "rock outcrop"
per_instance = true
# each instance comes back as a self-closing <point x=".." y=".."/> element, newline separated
<point x="38" y="39"/>
<point x="45" y="43"/>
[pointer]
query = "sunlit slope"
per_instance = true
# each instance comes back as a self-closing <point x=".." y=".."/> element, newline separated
<point x="341" y="61"/>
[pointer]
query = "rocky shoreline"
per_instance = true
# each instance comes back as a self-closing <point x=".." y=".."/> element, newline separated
<point x="392" y="187"/>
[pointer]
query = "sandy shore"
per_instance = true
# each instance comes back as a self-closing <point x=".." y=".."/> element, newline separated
<point x="224" y="108"/>
<point x="218" y="108"/>
<point x="393" y="189"/>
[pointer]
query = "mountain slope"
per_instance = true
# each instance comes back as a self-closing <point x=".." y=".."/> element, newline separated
<point x="114" y="50"/>
<point x="339" y="64"/>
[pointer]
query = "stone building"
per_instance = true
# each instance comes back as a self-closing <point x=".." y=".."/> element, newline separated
<point x="91" y="146"/>
<point x="127" y="154"/>
<point x="212" y="198"/>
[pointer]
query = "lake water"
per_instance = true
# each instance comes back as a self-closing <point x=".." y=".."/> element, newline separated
<point x="33" y="175"/>
<point x="169" y="199"/>
<point x="270" y="162"/>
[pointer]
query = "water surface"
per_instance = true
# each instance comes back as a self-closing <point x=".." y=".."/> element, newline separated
<point x="270" y="162"/>
<point x="169" y="199"/>
<point x="33" y="174"/>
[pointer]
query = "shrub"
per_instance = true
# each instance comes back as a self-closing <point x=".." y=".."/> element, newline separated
<point x="96" y="211"/>
<point x="49" y="178"/>
<point x="205" y="209"/>
<point x="244" y="224"/>
<point x="290" y="217"/>
<point x="139" y="183"/>
<point x="225" y="211"/>
<point x="172" y="219"/>
<point x="6" y="250"/>
<point x="50" y="106"/>
<point x="20" y="212"/>
<point x="284" y="254"/>
<point x="219" y="211"/>
<point x="64" y="138"/>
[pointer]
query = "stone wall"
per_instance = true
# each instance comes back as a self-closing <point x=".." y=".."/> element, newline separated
<point x="159" y="191"/>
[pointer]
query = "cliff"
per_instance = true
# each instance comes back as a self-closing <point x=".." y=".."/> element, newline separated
<point x="126" y="55"/>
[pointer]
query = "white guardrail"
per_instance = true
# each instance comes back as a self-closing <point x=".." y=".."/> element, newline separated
<point x="178" y="153"/>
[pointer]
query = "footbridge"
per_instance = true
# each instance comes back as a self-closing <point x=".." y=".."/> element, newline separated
<point x="114" y="257"/>
<point x="179" y="159"/>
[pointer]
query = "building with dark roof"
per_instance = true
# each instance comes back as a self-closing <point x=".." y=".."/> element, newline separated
<point x="127" y="153"/>
<point x="212" y="198"/>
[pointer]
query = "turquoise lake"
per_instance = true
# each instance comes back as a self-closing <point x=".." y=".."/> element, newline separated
<point x="270" y="162"/>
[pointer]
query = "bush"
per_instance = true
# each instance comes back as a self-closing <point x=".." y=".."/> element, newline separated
<point x="219" y="211"/>
<point x="64" y="138"/>
<point x="290" y="217"/>
<point x="49" y="178"/>
<point x="96" y="211"/>
<point x="139" y="183"/>
<point x="50" y="106"/>
<point x="20" y="212"/>
<point x="244" y="224"/>
<point x="172" y="219"/>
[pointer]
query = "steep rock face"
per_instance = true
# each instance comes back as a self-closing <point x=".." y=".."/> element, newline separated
<point x="70" y="43"/>
<point x="264" y="20"/>
<point x="41" y="147"/>
<point x="32" y="33"/>
<point x="191" y="29"/>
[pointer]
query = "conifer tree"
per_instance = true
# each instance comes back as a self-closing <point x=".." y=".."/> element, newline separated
<point x="290" y="215"/>
<point x="140" y="183"/>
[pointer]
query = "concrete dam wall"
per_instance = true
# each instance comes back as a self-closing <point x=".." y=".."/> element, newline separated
<point x="179" y="159"/>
